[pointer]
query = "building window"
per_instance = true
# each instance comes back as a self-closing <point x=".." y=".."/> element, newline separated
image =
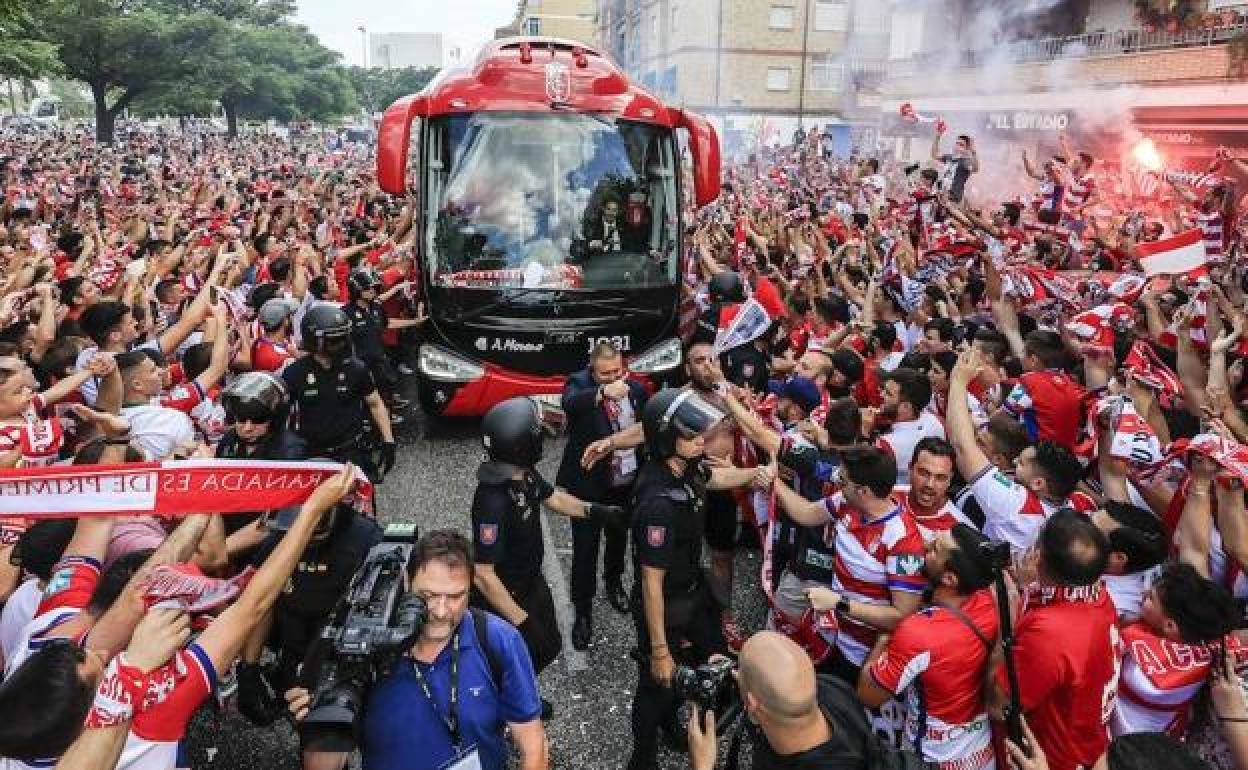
<point x="831" y="15"/>
<point x="533" y="26"/>
<point x="671" y="27"/>
<point x="781" y="17"/>
<point x="778" y="78"/>
<point x="825" y="74"/>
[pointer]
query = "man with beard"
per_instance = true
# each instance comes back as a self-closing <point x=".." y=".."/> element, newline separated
<point x="936" y="657"/>
<point x="904" y="396"/>
<point x="927" y="496"/>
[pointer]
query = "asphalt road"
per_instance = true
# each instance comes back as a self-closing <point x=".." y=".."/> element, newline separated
<point x="591" y="691"/>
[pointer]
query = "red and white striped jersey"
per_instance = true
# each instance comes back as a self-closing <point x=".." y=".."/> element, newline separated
<point x="1078" y="191"/>
<point x="66" y="595"/>
<point x="873" y="558"/>
<point x="938" y="662"/>
<point x="929" y="523"/>
<point x="1160" y="678"/>
<point x="1212" y="227"/>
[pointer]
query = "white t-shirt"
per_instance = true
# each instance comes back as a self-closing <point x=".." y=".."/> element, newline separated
<point x="903" y="437"/>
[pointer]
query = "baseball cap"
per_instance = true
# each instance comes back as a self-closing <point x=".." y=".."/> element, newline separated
<point x="276" y="310"/>
<point x="800" y="390"/>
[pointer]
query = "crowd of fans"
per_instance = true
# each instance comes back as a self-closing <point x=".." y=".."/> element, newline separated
<point x="948" y="371"/>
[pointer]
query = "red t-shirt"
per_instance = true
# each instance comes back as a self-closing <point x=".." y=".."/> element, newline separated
<point x="934" y="662"/>
<point x="1050" y="404"/>
<point x="1069" y="655"/>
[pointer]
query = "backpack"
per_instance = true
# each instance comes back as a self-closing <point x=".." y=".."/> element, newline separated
<point x="836" y="696"/>
<point x="480" y="624"/>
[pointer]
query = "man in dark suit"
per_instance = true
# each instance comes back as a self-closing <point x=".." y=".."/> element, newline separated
<point x="609" y="232"/>
<point x="599" y="401"/>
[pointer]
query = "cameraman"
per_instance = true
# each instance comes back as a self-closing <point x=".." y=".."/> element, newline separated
<point x="440" y="707"/>
<point x="799" y="716"/>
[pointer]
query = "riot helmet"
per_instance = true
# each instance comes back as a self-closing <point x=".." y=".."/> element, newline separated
<point x="513" y="434"/>
<point x="363" y="279"/>
<point x="726" y="286"/>
<point x="674" y="413"/>
<point x="255" y="397"/>
<point x="325" y="329"/>
<point x="330" y="523"/>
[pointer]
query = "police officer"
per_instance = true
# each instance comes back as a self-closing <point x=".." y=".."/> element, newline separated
<point x="725" y="290"/>
<point x="341" y="542"/>
<point x="674" y="611"/>
<point x="332" y="390"/>
<point x="368" y="323"/>
<point x="256" y="406"/>
<point x="507" y="526"/>
<point x="746" y="365"/>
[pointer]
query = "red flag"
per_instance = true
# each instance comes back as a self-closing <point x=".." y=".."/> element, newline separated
<point x="1183" y="253"/>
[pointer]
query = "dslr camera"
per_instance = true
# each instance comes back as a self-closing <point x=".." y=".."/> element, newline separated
<point x="370" y="628"/>
<point x="709" y="686"/>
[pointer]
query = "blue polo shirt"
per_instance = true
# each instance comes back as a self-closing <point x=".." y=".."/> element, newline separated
<point x="401" y="730"/>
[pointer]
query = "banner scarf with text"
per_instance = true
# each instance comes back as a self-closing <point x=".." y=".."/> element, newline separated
<point x="176" y="488"/>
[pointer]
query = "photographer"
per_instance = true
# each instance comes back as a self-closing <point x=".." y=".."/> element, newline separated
<point x="441" y="706"/>
<point x="803" y="720"/>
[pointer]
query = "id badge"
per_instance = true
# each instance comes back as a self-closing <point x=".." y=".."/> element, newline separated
<point x="468" y="759"/>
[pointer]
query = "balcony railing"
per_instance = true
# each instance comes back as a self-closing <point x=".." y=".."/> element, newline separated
<point x="1090" y="45"/>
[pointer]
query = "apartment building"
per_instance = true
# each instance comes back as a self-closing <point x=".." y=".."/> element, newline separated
<point x="758" y="68"/>
<point x="568" y="19"/>
<point x="1108" y="72"/>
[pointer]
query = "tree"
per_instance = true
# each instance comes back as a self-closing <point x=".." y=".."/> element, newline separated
<point x="123" y="49"/>
<point x="276" y="70"/>
<point x="378" y="88"/>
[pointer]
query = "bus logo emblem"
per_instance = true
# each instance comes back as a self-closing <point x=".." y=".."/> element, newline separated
<point x="558" y="82"/>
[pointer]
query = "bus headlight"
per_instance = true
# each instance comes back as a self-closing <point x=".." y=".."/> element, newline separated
<point x="661" y="358"/>
<point x="440" y="364"/>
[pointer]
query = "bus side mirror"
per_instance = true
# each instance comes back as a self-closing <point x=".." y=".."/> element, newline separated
<point x="394" y="143"/>
<point x="704" y="147"/>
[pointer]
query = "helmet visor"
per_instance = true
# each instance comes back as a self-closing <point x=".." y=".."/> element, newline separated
<point x="247" y="411"/>
<point x="691" y="416"/>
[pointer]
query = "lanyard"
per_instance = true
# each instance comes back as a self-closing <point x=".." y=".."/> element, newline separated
<point x="451" y="720"/>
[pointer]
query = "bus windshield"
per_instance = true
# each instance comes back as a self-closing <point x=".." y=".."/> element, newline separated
<point x="562" y="201"/>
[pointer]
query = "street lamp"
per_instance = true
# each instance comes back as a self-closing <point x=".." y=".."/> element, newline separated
<point x="363" y="46"/>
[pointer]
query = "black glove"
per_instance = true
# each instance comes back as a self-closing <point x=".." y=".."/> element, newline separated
<point x="257" y="700"/>
<point x="610" y="516"/>
<point x="388" y="450"/>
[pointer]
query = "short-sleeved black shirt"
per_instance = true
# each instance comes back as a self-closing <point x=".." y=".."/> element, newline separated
<point x="329" y="403"/>
<point x="668" y="522"/>
<point x="367" y="324"/>
<point x="507" y="529"/>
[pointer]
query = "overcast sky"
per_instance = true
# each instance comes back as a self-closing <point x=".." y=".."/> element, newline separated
<point x="463" y="23"/>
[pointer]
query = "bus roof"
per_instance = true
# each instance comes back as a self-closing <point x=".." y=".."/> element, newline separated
<point x="530" y="74"/>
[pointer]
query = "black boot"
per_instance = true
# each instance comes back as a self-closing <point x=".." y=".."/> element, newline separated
<point x="582" y="631"/>
<point x="616" y="596"/>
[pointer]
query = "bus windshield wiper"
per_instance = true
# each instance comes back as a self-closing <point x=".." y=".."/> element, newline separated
<point x="617" y="304"/>
<point x="507" y="297"/>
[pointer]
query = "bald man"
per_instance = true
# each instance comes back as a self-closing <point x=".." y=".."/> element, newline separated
<point x="792" y="709"/>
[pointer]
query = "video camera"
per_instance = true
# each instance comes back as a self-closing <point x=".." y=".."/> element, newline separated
<point x="710" y="685"/>
<point x="373" y="624"/>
